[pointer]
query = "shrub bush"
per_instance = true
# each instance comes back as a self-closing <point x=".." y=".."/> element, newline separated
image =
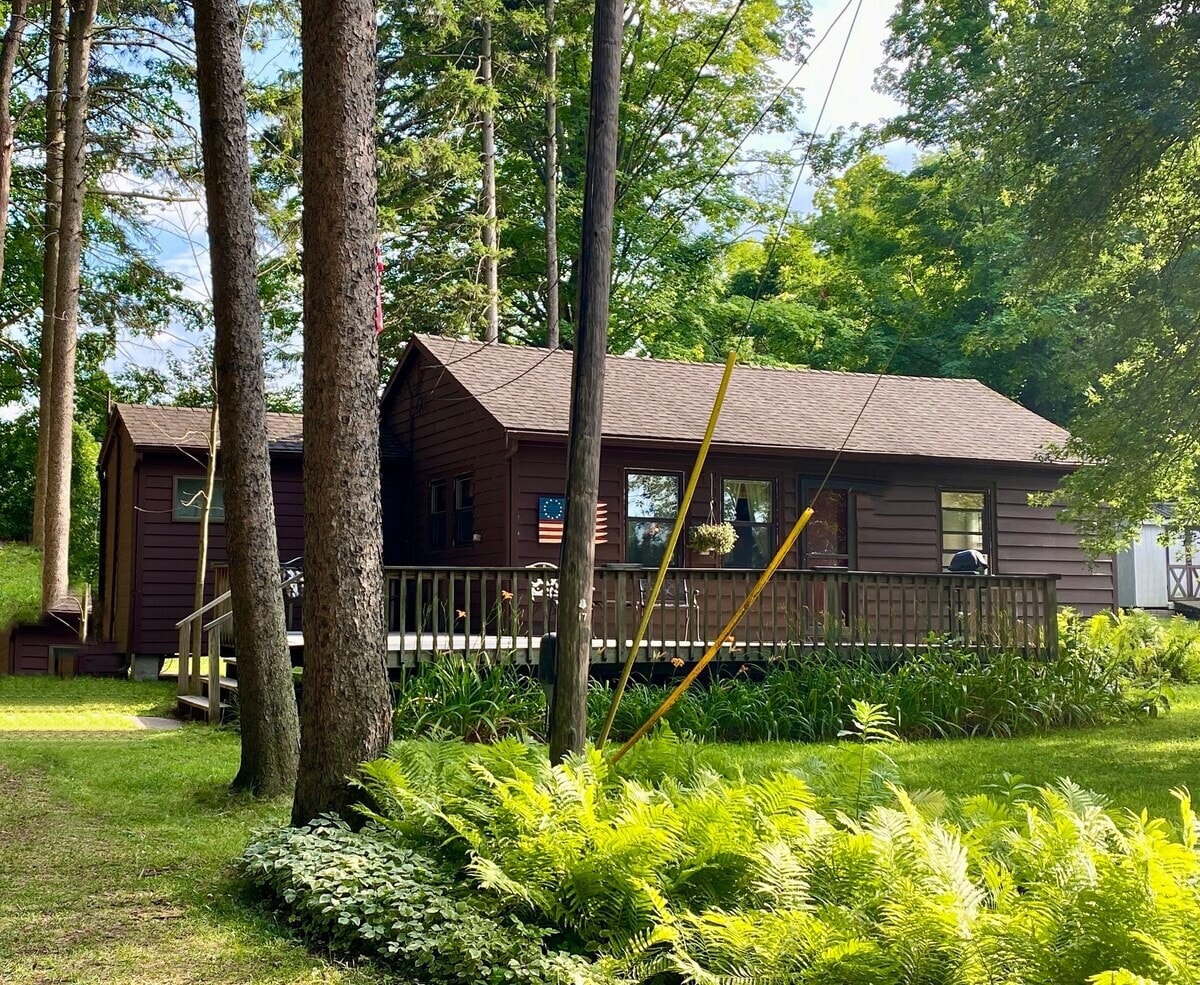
<point x="1135" y="641"/>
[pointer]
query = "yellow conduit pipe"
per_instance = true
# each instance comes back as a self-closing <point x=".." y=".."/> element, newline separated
<point x="755" y="592"/>
<point x="672" y="541"/>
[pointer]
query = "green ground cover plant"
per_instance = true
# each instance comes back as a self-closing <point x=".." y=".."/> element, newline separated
<point x="658" y="872"/>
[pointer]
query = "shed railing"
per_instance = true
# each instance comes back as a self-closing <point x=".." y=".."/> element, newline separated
<point x="504" y="612"/>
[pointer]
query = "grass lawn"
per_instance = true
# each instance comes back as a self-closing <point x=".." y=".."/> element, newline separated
<point x="116" y="845"/>
<point x="115" y="850"/>
<point x="20" y="583"/>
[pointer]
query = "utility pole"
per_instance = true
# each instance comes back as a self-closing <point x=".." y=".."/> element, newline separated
<point x="568" y="731"/>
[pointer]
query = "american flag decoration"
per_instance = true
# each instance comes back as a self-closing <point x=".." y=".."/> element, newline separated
<point x="552" y="510"/>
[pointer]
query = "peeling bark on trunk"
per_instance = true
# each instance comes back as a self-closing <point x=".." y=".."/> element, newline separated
<point x="489" y="234"/>
<point x="551" y="217"/>
<point x="270" y="731"/>
<point x="568" y="729"/>
<point x="8" y="60"/>
<point x="61" y="412"/>
<point x="345" y="712"/>
<point x="55" y="79"/>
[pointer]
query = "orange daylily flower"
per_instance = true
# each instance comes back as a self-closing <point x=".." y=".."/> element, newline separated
<point x="506" y="595"/>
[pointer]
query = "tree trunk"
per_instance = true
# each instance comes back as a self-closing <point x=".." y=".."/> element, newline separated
<point x="490" y="234"/>
<point x="210" y="483"/>
<point x="569" y="719"/>
<point x="61" y="411"/>
<point x="345" y="714"/>
<point x="551" y="181"/>
<point x="54" y="177"/>
<point x="8" y="61"/>
<point x="266" y="696"/>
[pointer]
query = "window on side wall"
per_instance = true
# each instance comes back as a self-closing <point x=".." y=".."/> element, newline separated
<point x="965" y="523"/>
<point x="464" y="510"/>
<point x="651" y="509"/>
<point x="189" y="500"/>
<point x="749" y="505"/>
<point x="437" y="515"/>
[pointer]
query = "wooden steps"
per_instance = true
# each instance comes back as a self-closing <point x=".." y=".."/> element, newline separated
<point x="193" y="706"/>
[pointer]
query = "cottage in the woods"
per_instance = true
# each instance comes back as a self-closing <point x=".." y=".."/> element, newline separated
<point x="473" y="440"/>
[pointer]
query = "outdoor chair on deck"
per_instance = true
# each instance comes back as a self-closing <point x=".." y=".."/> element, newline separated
<point x="543" y="588"/>
<point x="677" y="602"/>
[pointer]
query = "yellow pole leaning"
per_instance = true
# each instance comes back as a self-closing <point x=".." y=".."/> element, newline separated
<point x="672" y="541"/>
<point x="755" y="592"/>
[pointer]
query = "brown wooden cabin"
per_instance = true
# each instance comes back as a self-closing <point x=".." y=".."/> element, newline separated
<point x="933" y="466"/>
<point x="152" y="465"/>
<point x="473" y="447"/>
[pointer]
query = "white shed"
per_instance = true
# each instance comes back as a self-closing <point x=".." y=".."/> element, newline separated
<point x="1153" y="576"/>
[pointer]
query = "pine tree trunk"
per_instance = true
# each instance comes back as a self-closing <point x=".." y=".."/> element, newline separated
<point x="8" y="60"/>
<point x="61" y="412"/>
<point x="569" y="718"/>
<point x="270" y="730"/>
<point x="551" y="217"/>
<point x="345" y="714"/>
<point x="490" y="234"/>
<point x="55" y="79"/>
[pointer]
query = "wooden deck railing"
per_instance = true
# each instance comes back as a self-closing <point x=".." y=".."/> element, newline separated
<point x="504" y="612"/>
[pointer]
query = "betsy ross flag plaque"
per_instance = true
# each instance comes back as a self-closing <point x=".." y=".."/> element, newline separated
<point x="552" y="511"/>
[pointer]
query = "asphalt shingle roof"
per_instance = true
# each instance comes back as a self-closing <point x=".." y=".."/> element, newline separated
<point x="187" y="427"/>
<point x="528" y="390"/>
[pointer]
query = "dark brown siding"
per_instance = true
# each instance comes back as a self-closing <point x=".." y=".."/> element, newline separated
<point x="165" y="555"/>
<point x="897" y="521"/>
<point x="1030" y="540"/>
<point x="447" y="434"/>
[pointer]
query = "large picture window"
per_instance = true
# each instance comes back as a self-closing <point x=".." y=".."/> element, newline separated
<point x="749" y="505"/>
<point x="464" y="510"/>
<point x="965" y="523"/>
<point x="651" y="510"/>
<point x="189" y="499"/>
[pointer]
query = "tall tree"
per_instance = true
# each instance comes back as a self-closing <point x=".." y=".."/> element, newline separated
<point x="551" y="180"/>
<point x="61" y="413"/>
<point x="267" y="702"/>
<point x="490" y="232"/>
<point x="568" y="724"/>
<point x="9" y="49"/>
<point x="346" y="712"/>
<point x="55" y="77"/>
<point x="1083" y="114"/>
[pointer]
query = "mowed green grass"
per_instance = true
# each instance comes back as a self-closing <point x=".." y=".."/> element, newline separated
<point x="116" y="847"/>
<point x="1135" y="764"/>
<point x="20" y="583"/>
<point x="115" y="852"/>
<point x="84" y="704"/>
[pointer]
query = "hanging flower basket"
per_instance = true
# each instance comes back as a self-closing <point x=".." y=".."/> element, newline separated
<point x="712" y="538"/>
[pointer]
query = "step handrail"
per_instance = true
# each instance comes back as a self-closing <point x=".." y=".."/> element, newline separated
<point x="223" y="597"/>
